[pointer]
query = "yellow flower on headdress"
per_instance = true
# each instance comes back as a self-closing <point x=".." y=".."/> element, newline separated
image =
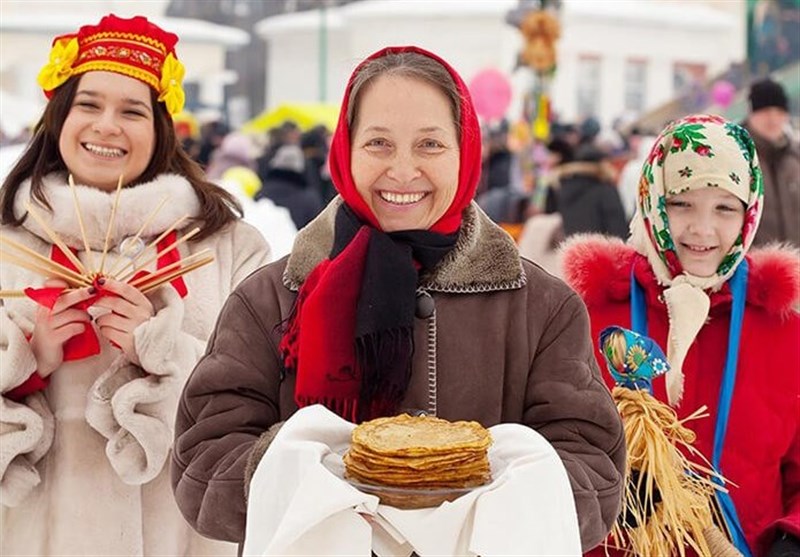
<point x="171" y="84"/>
<point x="59" y="68"/>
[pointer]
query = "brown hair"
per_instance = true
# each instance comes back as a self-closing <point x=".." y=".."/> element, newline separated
<point x="42" y="157"/>
<point x="406" y="64"/>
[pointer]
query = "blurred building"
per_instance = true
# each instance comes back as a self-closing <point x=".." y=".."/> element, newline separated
<point x="245" y="97"/>
<point x="28" y="27"/>
<point x="614" y="58"/>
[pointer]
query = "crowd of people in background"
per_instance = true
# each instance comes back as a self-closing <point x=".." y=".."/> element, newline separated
<point x="582" y="179"/>
<point x="279" y="176"/>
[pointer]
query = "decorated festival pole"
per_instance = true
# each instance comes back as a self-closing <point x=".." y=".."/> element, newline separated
<point x="537" y="21"/>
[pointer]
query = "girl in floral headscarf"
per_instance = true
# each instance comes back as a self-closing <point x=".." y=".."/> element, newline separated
<point x="726" y="317"/>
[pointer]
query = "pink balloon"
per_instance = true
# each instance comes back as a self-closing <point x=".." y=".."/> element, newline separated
<point x="491" y="93"/>
<point x="722" y="93"/>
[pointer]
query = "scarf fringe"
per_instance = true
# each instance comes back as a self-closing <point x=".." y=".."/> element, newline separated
<point x="385" y="362"/>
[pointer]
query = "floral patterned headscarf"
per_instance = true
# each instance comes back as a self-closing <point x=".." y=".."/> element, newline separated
<point x="694" y="152"/>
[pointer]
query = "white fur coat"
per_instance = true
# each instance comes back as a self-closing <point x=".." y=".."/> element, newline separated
<point x="82" y="463"/>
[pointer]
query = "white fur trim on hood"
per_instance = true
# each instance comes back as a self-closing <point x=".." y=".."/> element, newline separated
<point x="135" y="206"/>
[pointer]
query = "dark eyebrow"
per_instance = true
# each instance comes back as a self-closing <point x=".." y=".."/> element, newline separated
<point x="382" y="129"/>
<point x="379" y="129"/>
<point x="134" y="102"/>
<point x="126" y="100"/>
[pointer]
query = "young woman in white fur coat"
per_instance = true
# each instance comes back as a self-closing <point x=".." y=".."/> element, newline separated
<point x="89" y="394"/>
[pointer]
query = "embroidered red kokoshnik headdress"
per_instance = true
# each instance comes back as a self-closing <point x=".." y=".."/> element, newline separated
<point x="133" y="47"/>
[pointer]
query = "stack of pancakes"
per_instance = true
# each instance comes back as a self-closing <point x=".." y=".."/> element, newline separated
<point x="420" y="452"/>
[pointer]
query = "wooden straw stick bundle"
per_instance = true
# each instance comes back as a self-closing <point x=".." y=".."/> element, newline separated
<point x="152" y="244"/>
<point x="168" y="248"/>
<point x="124" y="253"/>
<point x="80" y="218"/>
<point x="12" y="294"/>
<point x="175" y="274"/>
<point x="110" y="226"/>
<point x="44" y="265"/>
<point x="25" y="257"/>
<point x="147" y="280"/>
<point x="36" y="267"/>
<point x="56" y="239"/>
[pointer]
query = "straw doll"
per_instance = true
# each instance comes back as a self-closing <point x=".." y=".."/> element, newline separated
<point x="117" y="255"/>
<point x="669" y="499"/>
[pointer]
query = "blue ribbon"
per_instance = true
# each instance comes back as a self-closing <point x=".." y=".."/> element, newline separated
<point x="639" y="313"/>
<point x="738" y="286"/>
<point x="638" y="307"/>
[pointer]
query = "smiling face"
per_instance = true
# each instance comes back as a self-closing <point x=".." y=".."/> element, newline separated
<point x="704" y="224"/>
<point x="405" y="153"/>
<point x="109" y="130"/>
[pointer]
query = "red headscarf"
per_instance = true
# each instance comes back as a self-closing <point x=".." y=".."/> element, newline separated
<point x="469" y="170"/>
<point x="350" y="337"/>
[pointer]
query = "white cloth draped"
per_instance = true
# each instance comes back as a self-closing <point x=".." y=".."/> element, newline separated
<point x="299" y="504"/>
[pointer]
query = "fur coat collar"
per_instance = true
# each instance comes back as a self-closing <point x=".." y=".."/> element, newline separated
<point x="135" y="206"/>
<point x="485" y="258"/>
<point x="599" y="269"/>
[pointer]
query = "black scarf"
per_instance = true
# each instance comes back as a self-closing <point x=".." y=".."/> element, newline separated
<point x="382" y="345"/>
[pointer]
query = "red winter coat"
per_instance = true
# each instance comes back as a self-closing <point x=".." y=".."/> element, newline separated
<point x="761" y="454"/>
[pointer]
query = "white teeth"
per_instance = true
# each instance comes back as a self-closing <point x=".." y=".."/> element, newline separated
<point x="104" y="151"/>
<point x="401" y="198"/>
<point x="699" y="248"/>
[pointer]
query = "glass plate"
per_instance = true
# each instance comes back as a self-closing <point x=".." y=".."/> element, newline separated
<point x="410" y="498"/>
<point x="398" y="497"/>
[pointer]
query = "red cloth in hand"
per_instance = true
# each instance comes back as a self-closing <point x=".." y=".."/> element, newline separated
<point x="87" y="344"/>
<point x="83" y="344"/>
<point x="32" y="384"/>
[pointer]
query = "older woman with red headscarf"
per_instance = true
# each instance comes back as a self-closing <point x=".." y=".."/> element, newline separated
<point x="401" y="295"/>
